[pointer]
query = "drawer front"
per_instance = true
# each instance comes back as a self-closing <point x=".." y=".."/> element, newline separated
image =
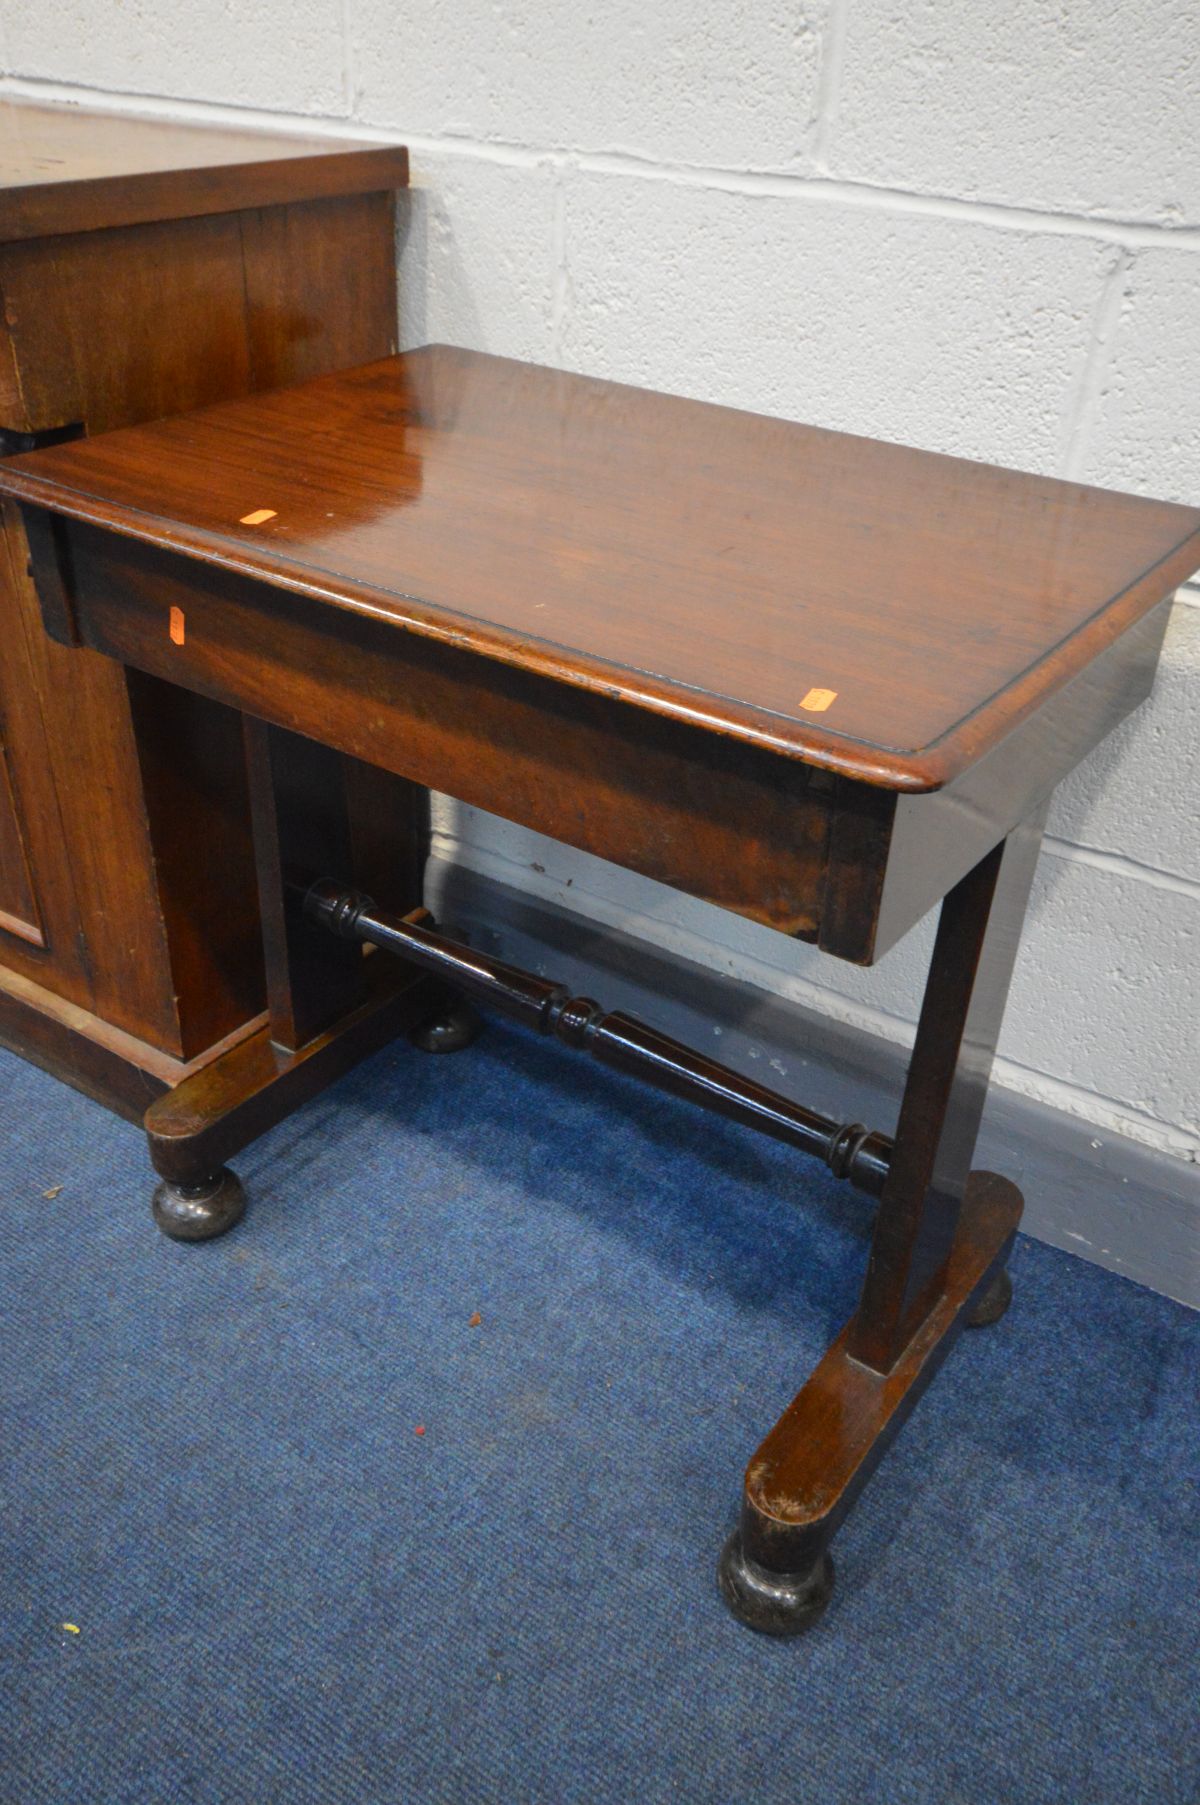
<point x="735" y="825"/>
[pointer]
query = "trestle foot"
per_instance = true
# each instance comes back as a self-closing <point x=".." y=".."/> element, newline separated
<point x="200" y="1211"/>
<point x="778" y="1604"/>
<point x="454" y="1027"/>
<point x="993" y="1303"/>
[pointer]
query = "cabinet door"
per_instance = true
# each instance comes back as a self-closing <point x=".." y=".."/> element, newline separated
<point x="39" y="935"/>
<point x="137" y="868"/>
<point x="19" y="913"/>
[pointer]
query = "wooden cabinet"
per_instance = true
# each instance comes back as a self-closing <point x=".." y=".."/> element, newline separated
<point x="146" y="269"/>
<point x="19" y="911"/>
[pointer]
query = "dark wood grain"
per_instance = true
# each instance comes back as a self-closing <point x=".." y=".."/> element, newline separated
<point x="974" y="954"/>
<point x="148" y="268"/>
<point x="40" y="741"/>
<point x="19" y="911"/>
<point x="301" y="829"/>
<point x="941" y="1236"/>
<point x="732" y="823"/>
<point x="714" y="566"/>
<point x="114" y="327"/>
<point x="196" y="809"/>
<point x="665" y="799"/>
<point x="217" y="1110"/>
<point x="320" y="286"/>
<point x="83" y="1049"/>
<point x="805" y="1477"/>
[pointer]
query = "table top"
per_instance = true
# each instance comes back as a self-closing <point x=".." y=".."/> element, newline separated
<point x="65" y="169"/>
<point x="884" y="613"/>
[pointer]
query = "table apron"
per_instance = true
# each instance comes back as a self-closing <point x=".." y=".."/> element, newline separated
<point x="813" y="855"/>
<point x="737" y="825"/>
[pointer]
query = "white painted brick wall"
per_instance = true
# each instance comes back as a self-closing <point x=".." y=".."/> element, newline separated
<point x="972" y="228"/>
<point x="1078" y="105"/>
<point x="1138" y="795"/>
<point x="469" y="230"/>
<point x="287" y="55"/>
<point x="732" y="85"/>
<point x="1144" y="434"/>
<point x="951" y="334"/>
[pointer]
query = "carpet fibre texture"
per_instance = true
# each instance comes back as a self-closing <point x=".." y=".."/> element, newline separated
<point x="324" y="1537"/>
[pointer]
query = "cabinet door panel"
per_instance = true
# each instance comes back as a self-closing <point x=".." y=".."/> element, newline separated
<point x="74" y="763"/>
<point x="134" y="895"/>
<point x="19" y="913"/>
<point x="39" y="912"/>
<point x="112" y="327"/>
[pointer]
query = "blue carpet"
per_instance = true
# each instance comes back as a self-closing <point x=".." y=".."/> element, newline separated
<point x="211" y="1465"/>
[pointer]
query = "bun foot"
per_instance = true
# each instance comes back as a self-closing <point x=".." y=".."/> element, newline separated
<point x="993" y="1303"/>
<point x="778" y="1604"/>
<point x="454" y="1027"/>
<point x="200" y="1211"/>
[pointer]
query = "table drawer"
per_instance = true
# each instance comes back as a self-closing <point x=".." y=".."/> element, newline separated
<point x="816" y="856"/>
<point x="741" y="827"/>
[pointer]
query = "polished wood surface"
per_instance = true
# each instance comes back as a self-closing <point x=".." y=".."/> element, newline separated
<point x="974" y="954"/>
<point x="732" y="823"/>
<point x="119" y="1070"/>
<point x="825" y="682"/>
<point x="223" y="1105"/>
<point x="66" y="169"/>
<point x="19" y="913"/>
<point x="618" y="1040"/>
<point x="806" y="1475"/>
<point x="185" y="265"/>
<point x="298" y="793"/>
<point x="882" y="613"/>
<point x="130" y="323"/>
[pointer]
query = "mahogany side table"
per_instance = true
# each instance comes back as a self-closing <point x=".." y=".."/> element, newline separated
<point x="821" y="681"/>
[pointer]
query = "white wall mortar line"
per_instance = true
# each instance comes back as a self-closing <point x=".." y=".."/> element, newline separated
<point x="1073" y="852"/>
<point x="829" y="82"/>
<point x="348" y="55"/>
<point x="1108" y="1114"/>
<point x="1089" y="389"/>
<point x="765" y="184"/>
<point x="873" y="197"/>
<point x="1117" y="864"/>
<point x="560" y="277"/>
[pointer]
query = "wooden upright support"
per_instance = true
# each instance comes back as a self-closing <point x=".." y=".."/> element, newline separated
<point x="941" y="1238"/>
<point x="328" y="1006"/>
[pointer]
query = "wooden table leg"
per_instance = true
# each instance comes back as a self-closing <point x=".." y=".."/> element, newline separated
<point x="941" y="1239"/>
<point x="328" y="1006"/>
